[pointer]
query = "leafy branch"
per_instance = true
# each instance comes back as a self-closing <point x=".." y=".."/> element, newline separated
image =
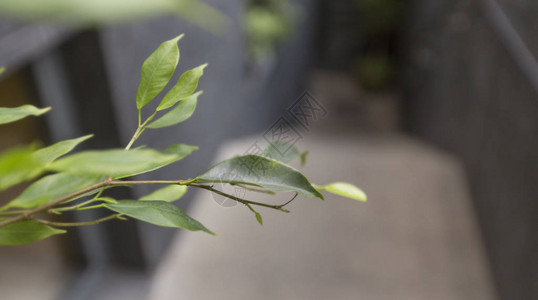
<point x="66" y="182"/>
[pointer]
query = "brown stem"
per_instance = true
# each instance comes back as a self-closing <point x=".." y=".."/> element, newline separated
<point x="94" y="222"/>
<point x="105" y="183"/>
<point x="30" y="213"/>
<point x="289" y="201"/>
<point x="210" y="188"/>
<point x="109" y="182"/>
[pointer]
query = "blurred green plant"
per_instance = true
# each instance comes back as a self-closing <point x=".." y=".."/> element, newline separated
<point x="375" y="72"/>
<point x="66" y="182"/>
<point x="379" y="24"/>
<point x="267" y="24"/>
<point x="100" y="12"/>
<point x="380" y="16"/>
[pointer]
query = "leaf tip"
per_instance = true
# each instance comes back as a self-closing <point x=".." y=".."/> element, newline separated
<point x="209" y="231"/>
<point x="259" y="218"/>
<point x="86" y="137"/>
<point x="177" y="38"/>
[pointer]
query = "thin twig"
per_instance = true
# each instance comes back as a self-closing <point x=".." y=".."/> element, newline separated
<point x="94" y="222"/>
<point x="253" y="189"/>
<point x="44" y="207"/>
<point x="105" y="183"/>
<point x="210" y="188"/>
<point x="13" y="212"/>
<point x="110" y="183"/>
<point x="280" y="206"/>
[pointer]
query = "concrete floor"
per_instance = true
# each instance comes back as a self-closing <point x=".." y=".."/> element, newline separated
<point x="33" y="271"/>
<point x="415" y="238"/>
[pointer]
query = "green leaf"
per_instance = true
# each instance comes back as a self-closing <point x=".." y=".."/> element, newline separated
<point x="157" y="71"/>
<point x="158" y="213"/>
<point x="344" y="189"/>
<point x="24" y="232"/>
<point x="117" y="162"/>
<point x="21" y="164"/>
<point x="51" y="153"/>
<point x="185" y="86"/>
<point x="303" y="157"/>
<point x="181" y="112"/>
<point x="18" y="165"/>
<point x="282" y="151"/>
<point x="257" y="214"/>
<point x="2" y="69"/>
<point x="259" y="218"/>
<point x="103" y="12"/>
<point x="12" y="114"/>
<point x="50" y="188"/>
<point x="260" y="171"/>
<point x="168" y="193"/>
<point x="181" y="150"/>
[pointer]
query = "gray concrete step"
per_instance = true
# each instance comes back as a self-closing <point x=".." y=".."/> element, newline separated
<point x="416" y="237"/>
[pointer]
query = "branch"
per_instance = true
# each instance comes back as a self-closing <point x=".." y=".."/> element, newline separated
<point x="94" y="222"/>
<point x="30" y="213"/>
<point x="105" y="183"/>
<point x="110" y="183"/>
<point x="246" y="202"/>
<point x="289" y="201"/>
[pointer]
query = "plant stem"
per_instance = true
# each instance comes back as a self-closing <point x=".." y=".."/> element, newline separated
<point x="134" y="138"/>
<point x="25" y="215"/>
<point x="254" y="189"/>
<point x="246" y="202"/>
<point x="94" y="222"/>
<point x="139" y="182"/>
<point x="105" y="183"/>
<point x="92" y="207"/>
<point x="13" y="212"/>
<point x="74" y="207"/>
<point x="30" y="213"/>
<point x="140" y="129"/>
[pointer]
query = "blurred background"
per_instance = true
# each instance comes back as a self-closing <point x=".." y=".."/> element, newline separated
<point x="428" y="105"/>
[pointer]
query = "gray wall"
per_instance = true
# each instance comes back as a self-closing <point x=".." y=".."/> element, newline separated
<point x="470" y="89"/>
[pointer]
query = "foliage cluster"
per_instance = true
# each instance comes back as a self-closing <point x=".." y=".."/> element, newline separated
<point x="63" y="182"/>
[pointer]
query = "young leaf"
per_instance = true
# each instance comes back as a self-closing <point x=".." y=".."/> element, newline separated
<point x="24" y="232"/>
<point x="185" y="86"/>
<point x="303" y="157"/>
<point x="116" y="162"/>
<point x="344" y="189"/>
<point x="257" y="214"/>
<point x="158" y="213"/>
<point x="260" y="171"/>
<point x="18" y="165"/>
<point x="181" y="112"/>
<point x="168" y="193"/>
<point x="51" y="153"/>
<point x="259" y="218"/>
<point x="157" y="71"/>
<point x="51" y="187"/>
<point x="12" y="114"/>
